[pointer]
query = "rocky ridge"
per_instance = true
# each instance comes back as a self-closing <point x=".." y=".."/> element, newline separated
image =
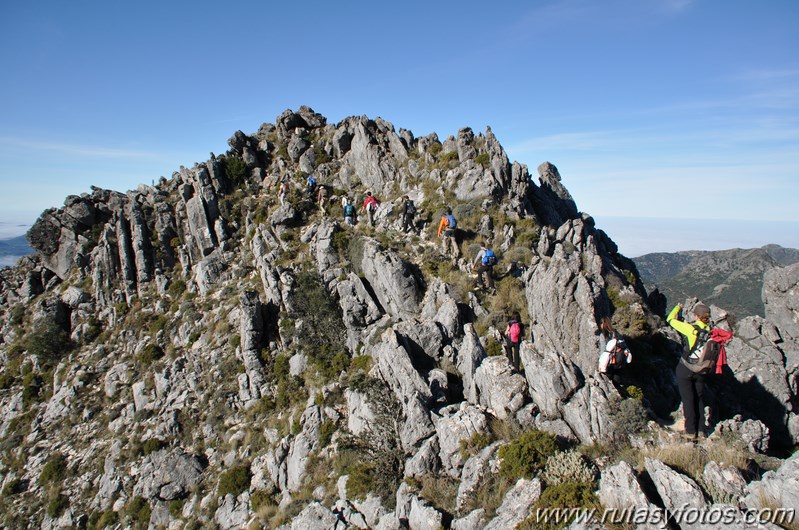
<point x="195" y="353"/>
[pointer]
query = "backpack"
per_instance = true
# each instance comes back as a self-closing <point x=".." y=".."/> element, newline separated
<point x="349" y="211"/>
<point x="451" y="222"/>
<point x="617" y="350"/>
<point x="410" y="209"/>
<point x="490" y="258"/>
<point x="515" y="331"/>
<point x="703" y="358"/>
<point x="311" y="182"/>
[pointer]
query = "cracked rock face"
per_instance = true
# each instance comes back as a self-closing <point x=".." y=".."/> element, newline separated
<point x="191" y="307"/>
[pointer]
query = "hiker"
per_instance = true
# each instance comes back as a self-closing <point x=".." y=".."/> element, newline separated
<point x="283" y="191"/>
<point x="690" y="378"/>
<point x="447" y="228"/>
<point x="349" y="213"/>
<point x="311" y="188"/>
<point x="485" y="261"/>
<point x="322" y="197"/>
<point x="513" y="339"/>
<point x="408" y="212"/>
<point x="613" y="349"/>
<point x="370" y="205"/>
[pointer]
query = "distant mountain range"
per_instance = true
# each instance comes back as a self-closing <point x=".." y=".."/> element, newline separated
<point x="732" y="279"/>
<point x="12" y="249"/>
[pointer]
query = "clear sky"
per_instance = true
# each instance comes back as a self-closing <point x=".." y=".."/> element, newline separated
<point x="649" y="108"/>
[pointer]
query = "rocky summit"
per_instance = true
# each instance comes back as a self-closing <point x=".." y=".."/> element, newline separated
<point x="207" y="353"/>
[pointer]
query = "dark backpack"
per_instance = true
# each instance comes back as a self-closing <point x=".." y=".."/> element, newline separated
<point x="349" y="211"/>
<point x="703" y="358"/>
<point x="410" y="209"/>
<point x="490" y="258"/>
<point x="618" y="354"/>
<point x="451" y="222"/>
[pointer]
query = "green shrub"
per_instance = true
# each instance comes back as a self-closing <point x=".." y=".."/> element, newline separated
<point x="362" y="363"/>
<point x="568" y="466"/>
<point x="150" y="354"/>
<point x="176" y="289"/>
<point x="326" y="431"/>
<point x="562" y="496"/>
<point x="628" y="415"/>
<point x="281" y="366"/>
<point x="32" y="383"/>
<point x="234" y="481"/>
<point x="261" y="499"/>
<point x="157" y="324"/>
<point x="235" y="341"/>
<point x="483" y="159"/>
<point x="471" y="446"/>
<point x="48" y="342"/>
<point x="56" y="503"/>
<point x="493" y="348"/>
<point x="235" y="169"/>
<point x="53" y="470"/>
<point x="152" y="445"/>
<point x="100" y="520"/>
<point x="527" y="454"/>
<point x="138" y="510"/>
<point x="361" y="480"/>
<point x="176" y="508"/>
<point x="635" y="392"/>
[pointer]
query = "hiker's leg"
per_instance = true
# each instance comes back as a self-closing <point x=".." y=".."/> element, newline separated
<point x="517" y="361"/>
<point x="685" y="385"/>
<point x="699" y="388"/>
<point x="490" y="275"/>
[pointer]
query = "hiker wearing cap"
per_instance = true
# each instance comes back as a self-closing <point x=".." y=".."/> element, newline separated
<point x="370" y="205"/>
<point x="485" y="261"/>
<point x="691" y="384"/>
<point x="446" y="232"/>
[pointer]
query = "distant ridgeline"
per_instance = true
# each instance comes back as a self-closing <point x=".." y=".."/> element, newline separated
<point x="732" y="279"/>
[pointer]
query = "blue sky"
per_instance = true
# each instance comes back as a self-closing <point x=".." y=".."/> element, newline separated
<point x="649" y="108"/>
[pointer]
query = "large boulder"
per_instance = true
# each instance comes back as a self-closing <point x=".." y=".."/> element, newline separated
<point x="168" y="475"/>
<point x="551" y="377"/>
<point x="501" y="390"/>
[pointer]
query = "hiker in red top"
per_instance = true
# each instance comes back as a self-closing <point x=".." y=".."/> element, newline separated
<point x="370" y="205"/>
<point x="513" y="339"/>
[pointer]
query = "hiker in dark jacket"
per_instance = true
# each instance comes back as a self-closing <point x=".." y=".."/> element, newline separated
<point x="690" y="384"/>
<point x="408" y="212"/>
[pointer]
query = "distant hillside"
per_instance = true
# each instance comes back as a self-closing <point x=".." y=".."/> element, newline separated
<point x="732" y="279"/>
<point x="12" y="249"/>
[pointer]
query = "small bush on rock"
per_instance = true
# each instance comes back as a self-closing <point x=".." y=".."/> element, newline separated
<point x="562" y="496"/>
<point x="234" y="481"/>
<point x="568" y="466"/>
<point x="526" y="455"/>
<point x="629" y="416"/>
<point x="53" y="471"/>
<point x="138" y="511"/>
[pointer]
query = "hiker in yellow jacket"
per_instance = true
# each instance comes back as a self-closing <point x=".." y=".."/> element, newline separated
<point x="690" y="384"/>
